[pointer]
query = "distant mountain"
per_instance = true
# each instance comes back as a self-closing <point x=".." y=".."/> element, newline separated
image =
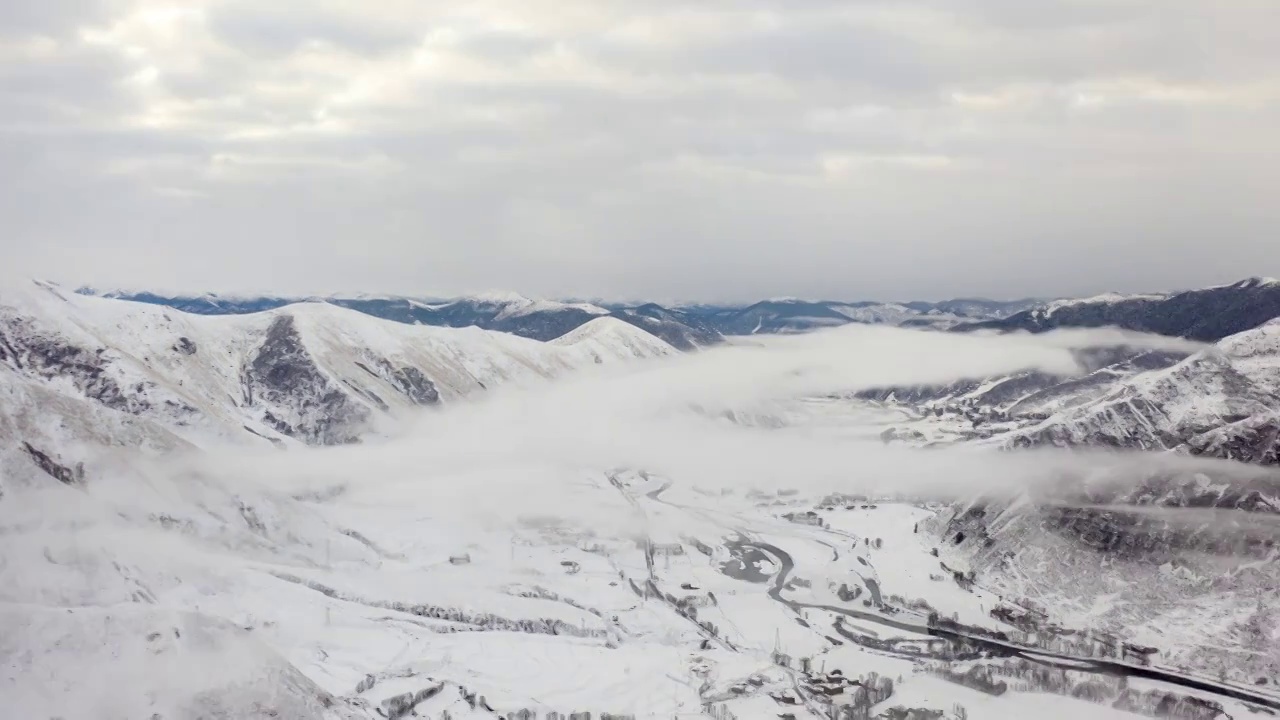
<point x="682" y="329"/>
<point x="977" y="308"/>
<point x="685" y="327"/>
<point x="504" y="312"/>
<point x="208" y="304"/>
<point x="790" y="315"/>
<point x="777" y="316"/>
<point x="1207" y="315"/>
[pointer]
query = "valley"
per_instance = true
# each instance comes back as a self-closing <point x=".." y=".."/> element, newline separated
<point x="310" y="512"/>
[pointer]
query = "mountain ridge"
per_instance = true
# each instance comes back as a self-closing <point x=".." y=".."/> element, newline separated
<point x="310" y="373"/>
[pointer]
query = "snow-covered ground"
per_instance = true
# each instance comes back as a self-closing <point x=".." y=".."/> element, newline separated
<point x="551" y="540"/>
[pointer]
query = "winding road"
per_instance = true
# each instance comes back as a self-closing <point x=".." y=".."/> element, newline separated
<point x="1007" y="649"/>
<point x="995" y="647"/>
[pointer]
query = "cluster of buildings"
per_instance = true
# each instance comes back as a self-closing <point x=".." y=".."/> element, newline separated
<point x="847" y="698"/>
<point x="807" y="517"/>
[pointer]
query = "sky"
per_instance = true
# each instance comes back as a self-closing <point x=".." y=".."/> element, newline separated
<point x="665" y="149"/>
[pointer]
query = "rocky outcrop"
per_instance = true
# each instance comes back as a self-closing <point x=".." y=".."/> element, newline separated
<point x="298" y="399"/>
<point x="49" y="356"/>
<point x="66" y="474"/>
<point x="410" y="381"/>
<point x="1252" y="440"/>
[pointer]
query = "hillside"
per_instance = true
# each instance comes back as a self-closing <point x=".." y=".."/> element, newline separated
<point x="1207" y="315"/>
<point x="75" y="368"/>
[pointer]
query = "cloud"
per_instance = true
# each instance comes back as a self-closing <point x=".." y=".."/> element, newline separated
<point x="525" y="451"/>
<point x="864" y="149"/>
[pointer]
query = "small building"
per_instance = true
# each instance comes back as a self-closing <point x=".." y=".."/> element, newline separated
<point x="667" y="549"/>
<point x="1139" y="654"/>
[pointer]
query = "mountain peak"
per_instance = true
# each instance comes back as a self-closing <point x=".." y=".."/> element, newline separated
<point x="499" y="297"/>
<point x="1256" y="282"/>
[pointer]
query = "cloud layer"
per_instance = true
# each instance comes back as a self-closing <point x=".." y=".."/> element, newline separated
<point x="525" y="450"/>
<point x="661" y="149"/>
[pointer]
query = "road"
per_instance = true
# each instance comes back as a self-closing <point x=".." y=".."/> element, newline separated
<point x="1008" y="649"/>
<point x="996" y="647"/>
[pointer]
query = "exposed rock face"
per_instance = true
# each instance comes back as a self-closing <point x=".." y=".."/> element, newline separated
<point x="67" y="475"/>
<point x="48" y="356"/>
<point x="1252" y="440"/>
<point x="409" y="380"/>
<point x="298" y="399"/>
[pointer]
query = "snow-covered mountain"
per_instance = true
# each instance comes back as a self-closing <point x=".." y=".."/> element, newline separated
<point x="467" y="571"/>
<point x="685" y="327"/>
<point x="1219" y="402"/>
<point x="507" y="312"/>
<point x="76" y="368"/>
<point x="1207" y="314"/>
<point x="1157" y="409"/>
<point x="790" y="315"/>
<point x="1171" y="558"/>
<point x="1175" y="560"/>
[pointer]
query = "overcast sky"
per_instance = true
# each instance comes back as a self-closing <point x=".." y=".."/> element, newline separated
<point x="690" y="149"/>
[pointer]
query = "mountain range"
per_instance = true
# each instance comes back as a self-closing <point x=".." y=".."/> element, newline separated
<point x="106" y="558"/>
<point x="77" y="370"/>
<point x="683" y="326"/>
<point x="319" y="370"/>
<point x="1207" y="314"/>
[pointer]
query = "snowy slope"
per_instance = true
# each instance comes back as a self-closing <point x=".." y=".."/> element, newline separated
<point x="1220" y="402"/>
<point x="1164" y="408"/>
<point x="897" y="314"/>
<point x="1207" y="314"/>
<point x="610" y="337"/>
<point x="1156" y="410"/>
<point x="517" y="306"/>
<point x="313" y="373"/>
<point x="1177" y="560"/>
<point x="471" y="573"/>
